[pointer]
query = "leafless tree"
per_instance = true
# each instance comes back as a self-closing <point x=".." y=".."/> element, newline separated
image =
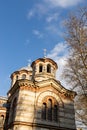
<point x="75" y="71"/>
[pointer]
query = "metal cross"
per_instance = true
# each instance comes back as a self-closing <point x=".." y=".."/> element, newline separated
<point x="29" y="62"/>
<point x="45" y="53"/>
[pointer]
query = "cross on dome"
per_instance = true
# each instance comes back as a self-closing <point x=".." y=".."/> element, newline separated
<point x="45" y="53"/>
<point x="29" y="62"/>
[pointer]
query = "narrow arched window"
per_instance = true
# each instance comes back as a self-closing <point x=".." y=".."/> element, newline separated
<point x="17" y="77"/>
<point x="13" y="109"/>
<point x="24" y="76"/>
<point x="49" y="110"/>
<point x="44" y="111"/>
<point x="1" y="120"/>
<point x="48" y="68"/>
<point x="55" y="110"/>
<point x="40" y="68"/>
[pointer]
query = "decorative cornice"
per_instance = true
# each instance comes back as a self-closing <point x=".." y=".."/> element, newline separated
<point x="2" y="108"/>
<point x="25" y="84"/>
<point x="41" y="125"/>
<point x="22" y="84"/>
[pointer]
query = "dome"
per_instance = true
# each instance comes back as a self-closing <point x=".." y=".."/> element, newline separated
<point x="22" y="73"/>
<point x="45" y="60"/>
<point x="44" y="68"/>
<point x="28" y="68"/>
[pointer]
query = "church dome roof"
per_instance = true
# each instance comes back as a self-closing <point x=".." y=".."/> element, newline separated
<point x="23" y="69"/>
<point x="28" y="68"/>
<point x="44" y="60"/>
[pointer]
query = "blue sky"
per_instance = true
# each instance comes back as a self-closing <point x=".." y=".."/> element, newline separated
<point x="26" y="28"/>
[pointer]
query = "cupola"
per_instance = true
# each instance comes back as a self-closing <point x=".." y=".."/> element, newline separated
<point x="43" y="68"/>
<point x="23" y="73"/>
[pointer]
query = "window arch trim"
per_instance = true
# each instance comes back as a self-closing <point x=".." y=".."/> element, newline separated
<point x="51" y="109"/>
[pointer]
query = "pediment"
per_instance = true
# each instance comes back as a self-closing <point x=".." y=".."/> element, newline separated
<point x="56" y="85"/>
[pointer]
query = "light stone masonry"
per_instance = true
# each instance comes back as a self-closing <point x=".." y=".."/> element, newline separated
<point x="37" y="101"/>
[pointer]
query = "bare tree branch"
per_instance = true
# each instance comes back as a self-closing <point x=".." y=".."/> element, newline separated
<point x="75" y="71"/>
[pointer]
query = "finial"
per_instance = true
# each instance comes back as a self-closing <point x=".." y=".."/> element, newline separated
<point x="45" y="53"/>
<point x="29" y="62"/>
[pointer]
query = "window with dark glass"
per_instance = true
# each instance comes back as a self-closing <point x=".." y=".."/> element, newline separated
<point x="48" y="68"/>
<point x="49" y="110"/>
<point x="13" y="109"/>
<point x="55" y="113"/>
<point x="40" y="68"/>
<point x="44" y="111"/>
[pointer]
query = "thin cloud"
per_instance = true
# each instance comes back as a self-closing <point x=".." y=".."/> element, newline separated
<point x="30" y="14"/>
<point x="60" y="50"/>
<point x="39" y="10"/>
<point x="45" y="6"/>
<point x="52" y="17"/>
<point x="37" y="33"/>
<point x="54" y="29"/>
<point x="59" y="54"/>
<point x="63" y="3"/>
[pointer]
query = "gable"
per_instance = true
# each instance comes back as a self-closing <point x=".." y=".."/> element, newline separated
<point x="54" y="85"/>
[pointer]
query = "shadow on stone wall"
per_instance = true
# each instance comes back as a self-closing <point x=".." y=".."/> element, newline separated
<point x="24" y="113"/>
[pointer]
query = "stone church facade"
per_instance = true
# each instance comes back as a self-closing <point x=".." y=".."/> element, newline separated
<point x="37" y="101"/>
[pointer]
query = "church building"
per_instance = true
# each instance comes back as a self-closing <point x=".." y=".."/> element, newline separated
<point x="36" y="100"/>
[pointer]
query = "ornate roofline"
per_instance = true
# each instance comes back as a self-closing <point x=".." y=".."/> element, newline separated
<point x="18" y="84"/>
<point x="58" y="86"/>
<point x="33" y="85"/>
<point x="44" y="60"/>
<point x="19" y="71"/>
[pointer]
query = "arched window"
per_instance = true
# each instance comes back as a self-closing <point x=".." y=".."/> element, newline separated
<point x="17" y="77"/>
<point x="44" y="111"/>
<point x="48" y="68"/>
<point x="49" y="105"/>
<point x="40" y="68"/>
<point x="55" y="110"/>
<point x="24" y="76"/>
<point x="50" y="110"/>
<point x="13" y="109"/>
<point x="1" y="120"/>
